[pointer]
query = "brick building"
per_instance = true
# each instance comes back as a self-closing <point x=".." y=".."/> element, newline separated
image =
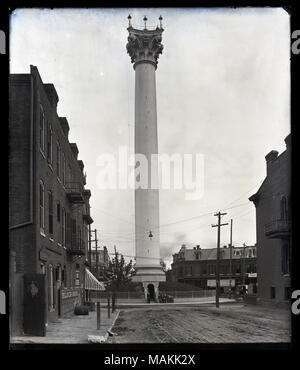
<point x="273" y="228"/>
<point x="48" y="204"/>
<point x="197" y="266"/>
<point x="99" y="261"/>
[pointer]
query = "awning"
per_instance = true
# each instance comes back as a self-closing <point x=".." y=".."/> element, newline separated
<point x="91" y="283"/>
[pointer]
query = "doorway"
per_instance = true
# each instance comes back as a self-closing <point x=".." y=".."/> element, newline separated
<point x="151" y="292"/>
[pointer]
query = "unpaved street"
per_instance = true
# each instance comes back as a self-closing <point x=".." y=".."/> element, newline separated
<point x="228" y="324"/>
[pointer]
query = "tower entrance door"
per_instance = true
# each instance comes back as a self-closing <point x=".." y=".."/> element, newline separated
<point x="151" y="292"/>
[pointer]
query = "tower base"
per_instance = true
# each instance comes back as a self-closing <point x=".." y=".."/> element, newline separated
<point x="150" y="278"/>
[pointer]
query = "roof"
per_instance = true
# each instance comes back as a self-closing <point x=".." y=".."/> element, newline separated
<point x="211" y="253"/>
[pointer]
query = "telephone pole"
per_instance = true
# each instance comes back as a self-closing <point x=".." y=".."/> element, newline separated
<point x="218" y="225"/>
<point x="97" y="260"/>
<point x="90" y="247"/>
<point x="95" y="240"/>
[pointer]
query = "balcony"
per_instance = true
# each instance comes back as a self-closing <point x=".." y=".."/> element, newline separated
<point x="74" y="192"/>
<point x="77" y="248"/>
<point x="278" y="229"/>
<point x="87" y="218"/>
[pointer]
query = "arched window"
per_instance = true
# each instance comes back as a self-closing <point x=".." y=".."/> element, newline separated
<point x="42" y="207"/>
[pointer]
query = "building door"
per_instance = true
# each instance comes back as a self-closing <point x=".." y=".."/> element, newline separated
<point x="151" y="292"/>
<point x="34" y="317"/>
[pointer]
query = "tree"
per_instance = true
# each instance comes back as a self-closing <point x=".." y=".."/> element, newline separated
<point x="163" y="265"/>
<point x="118" y="272"/>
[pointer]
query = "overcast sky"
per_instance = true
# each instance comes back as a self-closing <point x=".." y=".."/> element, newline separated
<point x="223" y="85"/>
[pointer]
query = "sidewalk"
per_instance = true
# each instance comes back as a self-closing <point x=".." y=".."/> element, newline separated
<point x="74" y="329"/>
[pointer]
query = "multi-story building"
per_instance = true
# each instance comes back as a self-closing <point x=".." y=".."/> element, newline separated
<point x="48" y="203"/>
<point x="99" y="262"/>
<point x="198" y="266"/>
<point x="273" y="228"/>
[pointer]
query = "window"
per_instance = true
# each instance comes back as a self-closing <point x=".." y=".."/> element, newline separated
<point x="77" y="278"/>
<point x="50" y="145"/>
<point x="68" y="230"/>
<point x="64" y="276"/>
<point x="73" y="240"/>
<point x="64" y="170"/>
<point x="283" y="209"/>
<point x="58" y="160"/>
<point x="63" y="227"/>
<point x="287" y="293"/>
<point x="58" y="212"/>
<point x="273" y="292"/>
<point x="51" y="295"/>
<point x="42" y="129"/>
<point x="286" y="258"/>
<point x="42" y="207"/>
<point x="58" y="274"/>
<point x="250" y="253"/>
<point x="79" y="237"/>
<point x="50" y="212"/>
<point x="69" y="174"/>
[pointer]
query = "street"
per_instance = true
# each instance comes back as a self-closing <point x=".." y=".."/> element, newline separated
<point x="231" y="323"/>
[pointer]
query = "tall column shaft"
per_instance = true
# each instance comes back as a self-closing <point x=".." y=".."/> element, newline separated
<point x="146" y="200"/>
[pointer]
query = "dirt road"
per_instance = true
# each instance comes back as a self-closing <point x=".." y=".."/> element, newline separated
<point x="228" y="324"/>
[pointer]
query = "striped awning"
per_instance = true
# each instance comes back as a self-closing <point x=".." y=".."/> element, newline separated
<point x="91" y="283"/>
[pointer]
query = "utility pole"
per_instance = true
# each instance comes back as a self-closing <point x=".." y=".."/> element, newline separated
<point x="95" y="240"/>
<point x="230" y="256"/>
<point x="97" y="262"/>
<point x="90" y="247"/>
<point x="218" y="225"/>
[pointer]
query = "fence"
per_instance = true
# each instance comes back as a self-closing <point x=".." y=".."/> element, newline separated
<point x="140" y="296"/>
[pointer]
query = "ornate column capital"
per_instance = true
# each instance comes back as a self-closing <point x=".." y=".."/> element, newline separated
<point x="144" y="46"/>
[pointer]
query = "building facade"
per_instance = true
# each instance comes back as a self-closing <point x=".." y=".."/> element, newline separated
<point x="99" y="262"/>
<point x="273" y="228"/>
<point x="48" y="203"/>
<point x="198" y="266"/>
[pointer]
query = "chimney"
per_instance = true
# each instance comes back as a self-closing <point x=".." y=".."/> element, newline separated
<point x="64" y="125"/>
<point x="74" y="149"/>
<point x="80" y="164"/>
<point x="271" y="159"/>
<point x="52" y="95"/>
<point x="288" y="142"/>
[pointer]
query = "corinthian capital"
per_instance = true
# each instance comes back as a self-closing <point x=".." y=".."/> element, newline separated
<point x="144" y="45"/>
